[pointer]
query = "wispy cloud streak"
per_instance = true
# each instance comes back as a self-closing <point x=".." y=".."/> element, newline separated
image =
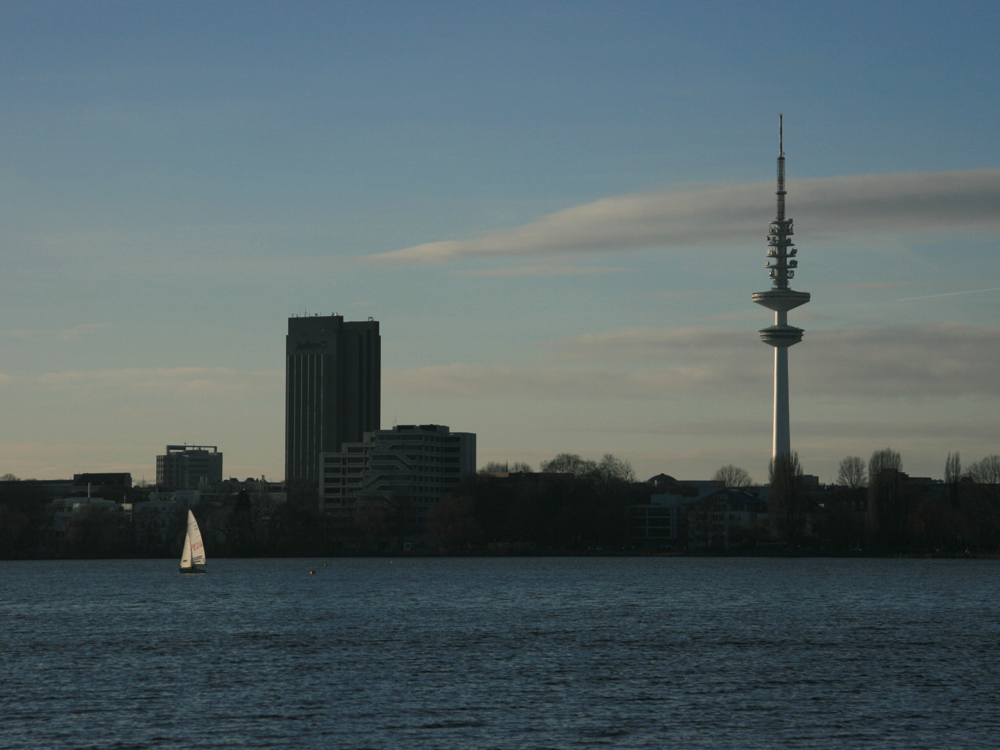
<point x="724" y="215"/>
<point x="157" y="382"/>
<point x="910" y="362"/>
<point x="544" y="270"/>
<point x="74" y="333"/>
<point x="949" y="294"/>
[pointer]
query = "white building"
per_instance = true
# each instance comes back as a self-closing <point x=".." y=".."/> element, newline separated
<point x="406" y="469"/>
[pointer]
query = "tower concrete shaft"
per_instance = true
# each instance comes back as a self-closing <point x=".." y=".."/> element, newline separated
<point x="781" y="442"/>
<point x="781" y="265"/>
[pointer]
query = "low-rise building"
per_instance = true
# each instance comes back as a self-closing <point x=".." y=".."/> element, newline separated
<point x="405" y="470"/>
<point x="663" y="520"/>
<point x="726" y="518"/>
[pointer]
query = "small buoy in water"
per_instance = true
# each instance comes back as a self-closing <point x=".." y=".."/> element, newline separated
<point x="312" y="572"/>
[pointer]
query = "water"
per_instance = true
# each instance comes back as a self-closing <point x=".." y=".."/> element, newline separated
<point x="501" y="653"/>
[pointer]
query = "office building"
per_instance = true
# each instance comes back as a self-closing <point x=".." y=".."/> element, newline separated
<point x="332" y="389"/>
<point x="406" y="469"/>
<point x="184" y="467"/>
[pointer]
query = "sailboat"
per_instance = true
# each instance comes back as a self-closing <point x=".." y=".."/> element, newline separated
<point x="194" y="550"/>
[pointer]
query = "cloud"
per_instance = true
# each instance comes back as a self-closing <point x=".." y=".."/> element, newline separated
<point x="950" y="294"/>
<point x="159" y="382"/>
<point x="650" y="344"/>
<point x="913" y="429"/>
<point x="730" y="214"/>
<point x="930" y="360"/>
<point x="870" y="285"/>
<point x="501" y="381"/>
<point x="545" y="270"/>
<point x="939" y="360"/>
<point x="61" y="246"/>
<point x="74" y="333"/>
<point x="933" y="359"/>
<point x="120" y="419"/>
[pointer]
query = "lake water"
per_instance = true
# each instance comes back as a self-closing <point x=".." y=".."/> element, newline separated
<point x="501" y="653"/>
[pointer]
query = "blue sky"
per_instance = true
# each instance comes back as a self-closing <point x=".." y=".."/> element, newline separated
<point x="556" y="211"/>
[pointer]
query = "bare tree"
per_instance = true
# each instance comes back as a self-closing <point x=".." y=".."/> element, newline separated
<point x="851" y="473"/>
<point x="612" y="468"/>
<point x="733" y="476"/>
<point x="569" y="463"/>
<point x="986" y="471"/>
<point x="787" y="500"/>
<point x="952" y="468"/>
<point x="952" y="476"/>
<point x="886" y="504"/>
<point x="498" y="467"/>
<point x="886" y="458"/>
<point x="981" y="505"/>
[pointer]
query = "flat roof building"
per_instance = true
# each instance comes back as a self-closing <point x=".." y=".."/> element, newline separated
<point x="408" y="468"/>
<point x="184" y="467"/>
<point x="333" y="389"/>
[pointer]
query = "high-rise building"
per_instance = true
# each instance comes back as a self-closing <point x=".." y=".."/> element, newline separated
<point x="184" y="467"/>
<point x="333" y="389"/>
<point x="781" y="298"/>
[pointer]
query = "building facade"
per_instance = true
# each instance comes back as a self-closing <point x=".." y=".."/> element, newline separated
<point x="185" y="467"/>
<point x="726" y="519"/>
<point x="663" y="520"/>
<point x="406" y="469"/>
<point x="333" y="389"/>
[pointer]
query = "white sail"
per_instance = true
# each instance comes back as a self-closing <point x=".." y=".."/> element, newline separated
<point x="186" y="554"/>
<point x="194" y="549"/>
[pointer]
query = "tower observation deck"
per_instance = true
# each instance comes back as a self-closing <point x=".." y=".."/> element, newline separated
<point x="781" y="265"/>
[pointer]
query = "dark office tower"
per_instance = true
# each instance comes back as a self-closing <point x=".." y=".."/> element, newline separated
<point x="333" y="389"/>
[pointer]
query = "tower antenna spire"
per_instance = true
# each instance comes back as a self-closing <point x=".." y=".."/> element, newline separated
<point x="781" y="168"/>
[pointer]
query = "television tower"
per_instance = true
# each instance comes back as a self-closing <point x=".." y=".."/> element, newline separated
<point x="780" y="298"/>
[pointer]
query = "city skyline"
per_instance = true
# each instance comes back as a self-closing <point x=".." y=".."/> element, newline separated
<point x="555" y="212"/>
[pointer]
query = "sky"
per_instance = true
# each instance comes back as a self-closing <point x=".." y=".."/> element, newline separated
<point x="556" y="211"/>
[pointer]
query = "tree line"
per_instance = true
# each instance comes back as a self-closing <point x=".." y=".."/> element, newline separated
<point x="876" y="507"/>
<point x="572" y="505"/>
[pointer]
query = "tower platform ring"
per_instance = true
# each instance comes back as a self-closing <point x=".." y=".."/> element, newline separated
<point x="781" y="300"/>
<point x="783" y="336"/>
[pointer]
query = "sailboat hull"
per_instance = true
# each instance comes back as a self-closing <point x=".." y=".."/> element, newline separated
<point x="190" y="571"/>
